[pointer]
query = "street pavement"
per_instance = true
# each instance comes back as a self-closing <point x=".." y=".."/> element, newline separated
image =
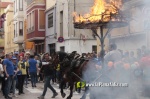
<point x="33" y="93"/>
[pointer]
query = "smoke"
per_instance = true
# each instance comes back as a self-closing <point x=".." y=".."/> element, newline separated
<point x="128" y="71"/>
<point x="105" y="76"/>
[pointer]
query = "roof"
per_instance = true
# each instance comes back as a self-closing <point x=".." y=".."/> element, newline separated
<point x="5" y="4"/>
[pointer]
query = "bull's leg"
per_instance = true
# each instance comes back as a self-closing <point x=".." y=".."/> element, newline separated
<point x="61" y="88"/>
<point x="71" y="90"/>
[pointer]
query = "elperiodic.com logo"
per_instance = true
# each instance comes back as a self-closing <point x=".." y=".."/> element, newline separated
<point x="110" y="84"/>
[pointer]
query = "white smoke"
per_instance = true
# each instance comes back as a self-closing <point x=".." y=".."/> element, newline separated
<point x="139" y="13"/>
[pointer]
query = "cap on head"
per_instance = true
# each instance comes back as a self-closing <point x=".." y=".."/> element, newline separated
<point x="14" y="58"/>
<point x="28" y="53"/>
<point x="16" y="52"/>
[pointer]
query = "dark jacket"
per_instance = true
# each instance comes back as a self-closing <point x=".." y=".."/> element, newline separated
<point x="48" y="68"/>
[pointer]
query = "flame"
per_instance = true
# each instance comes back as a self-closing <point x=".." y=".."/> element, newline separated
<point x="101" y="11"/>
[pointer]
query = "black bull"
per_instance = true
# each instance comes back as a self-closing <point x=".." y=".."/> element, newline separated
<point x="71" y="70"/>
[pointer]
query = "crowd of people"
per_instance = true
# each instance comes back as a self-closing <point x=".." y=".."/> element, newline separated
<point x="16" y="68"/>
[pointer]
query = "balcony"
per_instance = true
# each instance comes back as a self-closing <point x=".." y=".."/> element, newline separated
<point x="18" y="40"/>
<point x="29" y="2"/>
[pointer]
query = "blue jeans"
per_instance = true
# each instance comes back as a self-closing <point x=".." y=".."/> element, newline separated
<point x="47" y="84"/>
<point x="14" y="85"/>
<point x="8" y="84"/>
<point x="33" y="78"/>
<point x="26" y="81"/>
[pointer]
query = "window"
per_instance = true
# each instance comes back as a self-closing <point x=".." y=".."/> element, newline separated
<point x="20" y="28"/>
<point x="27" y="23"/>
<point x="32" y="21"/>
<point x="41" y="19"/>
<point x="50" y="20"/>
<point x="36" y="48"/>
<point x="42" y="51"/>
<point x="21" y="5"/>
<point x="94" y="48"/>
<point x="16" y="6"/>
<point x="61" y="23"/>
<point x="14" y="30"/>
<point x="62" y="48"/>
<point x="52" y="48"/>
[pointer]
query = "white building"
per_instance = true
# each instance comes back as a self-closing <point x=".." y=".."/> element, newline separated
<point x="19" y="8"/>
<point x="59" y="23"/>
<point x="136" y="34"/>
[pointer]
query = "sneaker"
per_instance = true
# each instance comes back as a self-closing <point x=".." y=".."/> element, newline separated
<point x="54" y="95"/>
<point x="15" y="96"/>
<point x="10" y="94"/>
<point x="76" y="93"/>
<point x="41" y="97"/>
<point x="8" y="97"/>
<point x="22" y="93"/>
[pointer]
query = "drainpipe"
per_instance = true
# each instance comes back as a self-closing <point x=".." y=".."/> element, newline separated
<point x="55" y="18"/>
<point x="55" y="24"/>
<point x="74" y="11"/>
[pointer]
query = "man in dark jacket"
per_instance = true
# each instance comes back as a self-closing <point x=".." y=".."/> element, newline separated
<point x="48" y="73"/>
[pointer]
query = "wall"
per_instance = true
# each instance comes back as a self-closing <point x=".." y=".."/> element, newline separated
<point x="136" y="34"/>
<point x="69" y="33"/>
<point x="77" y="45"/>
<point x="50" y="32"/>
<point x="10" y="46"/>
<point x="50" y="3"/>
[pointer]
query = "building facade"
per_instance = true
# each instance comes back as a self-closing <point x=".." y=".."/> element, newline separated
<point x="3" y="5"/>
<point x="50" y="29"/>
<point x="36" y="24"/>
<point x="28" y="46"/>
<point x="19" y="23"/>
<point x="60" y="32"/>
<point x="136" y="34"/>
<point x="9" y="46"/>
